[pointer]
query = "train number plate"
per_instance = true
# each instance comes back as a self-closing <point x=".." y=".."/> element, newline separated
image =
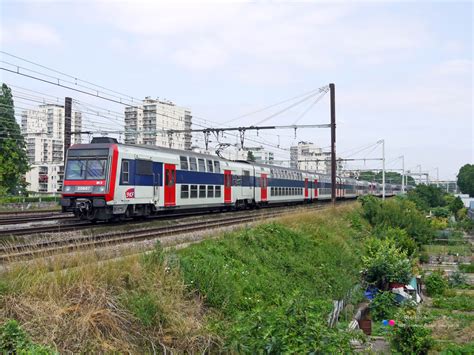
<point x="84" y="188"/>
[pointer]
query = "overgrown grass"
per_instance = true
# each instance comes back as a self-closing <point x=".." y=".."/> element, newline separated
<point x="462" y="302"/>
<point x="134" y="304"/>
<point x="272" y="285"/>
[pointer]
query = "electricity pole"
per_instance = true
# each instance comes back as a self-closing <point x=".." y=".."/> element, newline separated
<point x="383" y="167"/>
<point x="333" y="142"/>
<point x="403" y="173"/>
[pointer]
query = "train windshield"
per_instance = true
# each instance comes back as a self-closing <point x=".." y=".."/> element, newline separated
<point x="86" y="169"/>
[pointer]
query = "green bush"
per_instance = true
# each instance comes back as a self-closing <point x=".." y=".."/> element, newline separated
<point x="457" y="279"/>
<point x="383" y="306"/>
<point x="14" y="340"/>
<point x="442" y="212"/>
<point x="398" y="213"/>
<point x="296" y="326"/>
<point x="424" y="257"/>
<point x="384" y="263"/>
<point x="469" y="268"/>
<point x="411" y="337"/>
<point x="435" y="284"/>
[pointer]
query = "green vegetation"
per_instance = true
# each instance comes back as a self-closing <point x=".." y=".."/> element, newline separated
<point x="411" y="337"/>
<point x="458" y="302"/>
<point x="390" y="177"/>
<point x="466" y="179"/>
<point x="397" y="213"/>
<point x="274" y="284"/>
<point x="384" y="263"/>
<point x="383" y="306"/>
<point x="435" y="284"/>
<point x="14" y="340"/>
<point x="469" y="268"/>
<point x="13" y="159"/>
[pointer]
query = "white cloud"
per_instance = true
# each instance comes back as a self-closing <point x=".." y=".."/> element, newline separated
<point x="200" y="37"/>
<point x="30" y="33"/>
<point x="455" y="67"/>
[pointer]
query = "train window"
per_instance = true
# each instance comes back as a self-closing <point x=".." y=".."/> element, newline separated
<point x="245" y="178"/>
<point x="218" y="191"/>
<point x="184" y="191"/>
<point x="184" y="162"/>
<point x="125" y="171"/>
<point x="202" y="191"/>
<point x="144" y="167"/>
<point x="192" y="164"/>
<point x="217" y="166"/>
<point x="194" y="191"/>
<point x="209" y="166"/>
<point x="210" y="191"/>
<point x="202" y="164"/>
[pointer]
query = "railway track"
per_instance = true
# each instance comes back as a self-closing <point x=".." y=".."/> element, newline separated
<point x="34" y="218"/>
<point x="46" y="248"/>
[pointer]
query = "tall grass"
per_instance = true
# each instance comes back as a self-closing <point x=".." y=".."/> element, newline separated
<point x="134" y="304"/>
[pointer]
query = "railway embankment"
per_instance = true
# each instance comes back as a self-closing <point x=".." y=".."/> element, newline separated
<point x="267" y="287"/>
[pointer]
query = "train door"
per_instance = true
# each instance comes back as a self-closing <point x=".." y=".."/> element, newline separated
<point x="170" y="185"/>
<point x="315" y="188"/>
<point x="227" y="186"/>
<point x="263" y="187"/>
<point x="306" y="188"/>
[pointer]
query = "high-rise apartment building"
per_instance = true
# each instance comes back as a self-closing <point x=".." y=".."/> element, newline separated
<point x="307" y="156"/>
<point x="43" y="129"/>
<point x="151" y="122"/>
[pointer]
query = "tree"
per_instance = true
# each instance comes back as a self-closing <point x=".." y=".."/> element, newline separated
<point x="427" y="196"/>
<point x="13" y="158"/>
<point x="250" y="156"/>
<point x="390" y="177"/>
<point x="466" y="179"/>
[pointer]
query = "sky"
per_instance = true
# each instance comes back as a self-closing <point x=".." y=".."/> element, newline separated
<point x="403" y="71"/>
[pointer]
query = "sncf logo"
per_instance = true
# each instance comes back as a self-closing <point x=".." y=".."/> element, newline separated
<point x="130" y="193"/>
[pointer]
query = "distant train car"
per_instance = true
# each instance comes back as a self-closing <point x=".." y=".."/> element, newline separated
<point x="105" y="180"/>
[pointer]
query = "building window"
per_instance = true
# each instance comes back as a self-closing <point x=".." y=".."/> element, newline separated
<point x="217" y="167"/>
<point x="202" y="191"/>
<point x="184" y="191"/>
<point x="209" y="166"/>
<point x="218" y="191"/>
<point x="125" y="171"/>
<point x="194" y="191"/>
<point x="210" y="191"/>
<point x="192" y="164"/>
<point x="202" y="165"/>
<point x="184" y="163"/>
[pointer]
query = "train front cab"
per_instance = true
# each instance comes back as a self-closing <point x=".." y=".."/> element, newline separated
<point x="89" y="180"/>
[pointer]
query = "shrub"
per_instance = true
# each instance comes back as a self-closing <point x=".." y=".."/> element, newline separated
<point x="435" y="284"/>
<point x="383" y="306"/>
<point x="398" y="213"/>
<point x="410" y="337"/>
<point x="457" y="279"/>
<point x="442" y="212"/>
<point x="424" y="257"/>
<point x="402" y="240"/>
<point x="384" y="263"/>
<point x="469" y="268"/>
<point x="439" y="223"/>
<point x="296" y="326"/>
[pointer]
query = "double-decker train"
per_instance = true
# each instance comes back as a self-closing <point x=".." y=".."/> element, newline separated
<point x="105" y="180"/>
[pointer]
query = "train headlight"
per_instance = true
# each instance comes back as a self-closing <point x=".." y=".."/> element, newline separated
<point x="99" y="189"/>
<point x="68" y="188"/>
